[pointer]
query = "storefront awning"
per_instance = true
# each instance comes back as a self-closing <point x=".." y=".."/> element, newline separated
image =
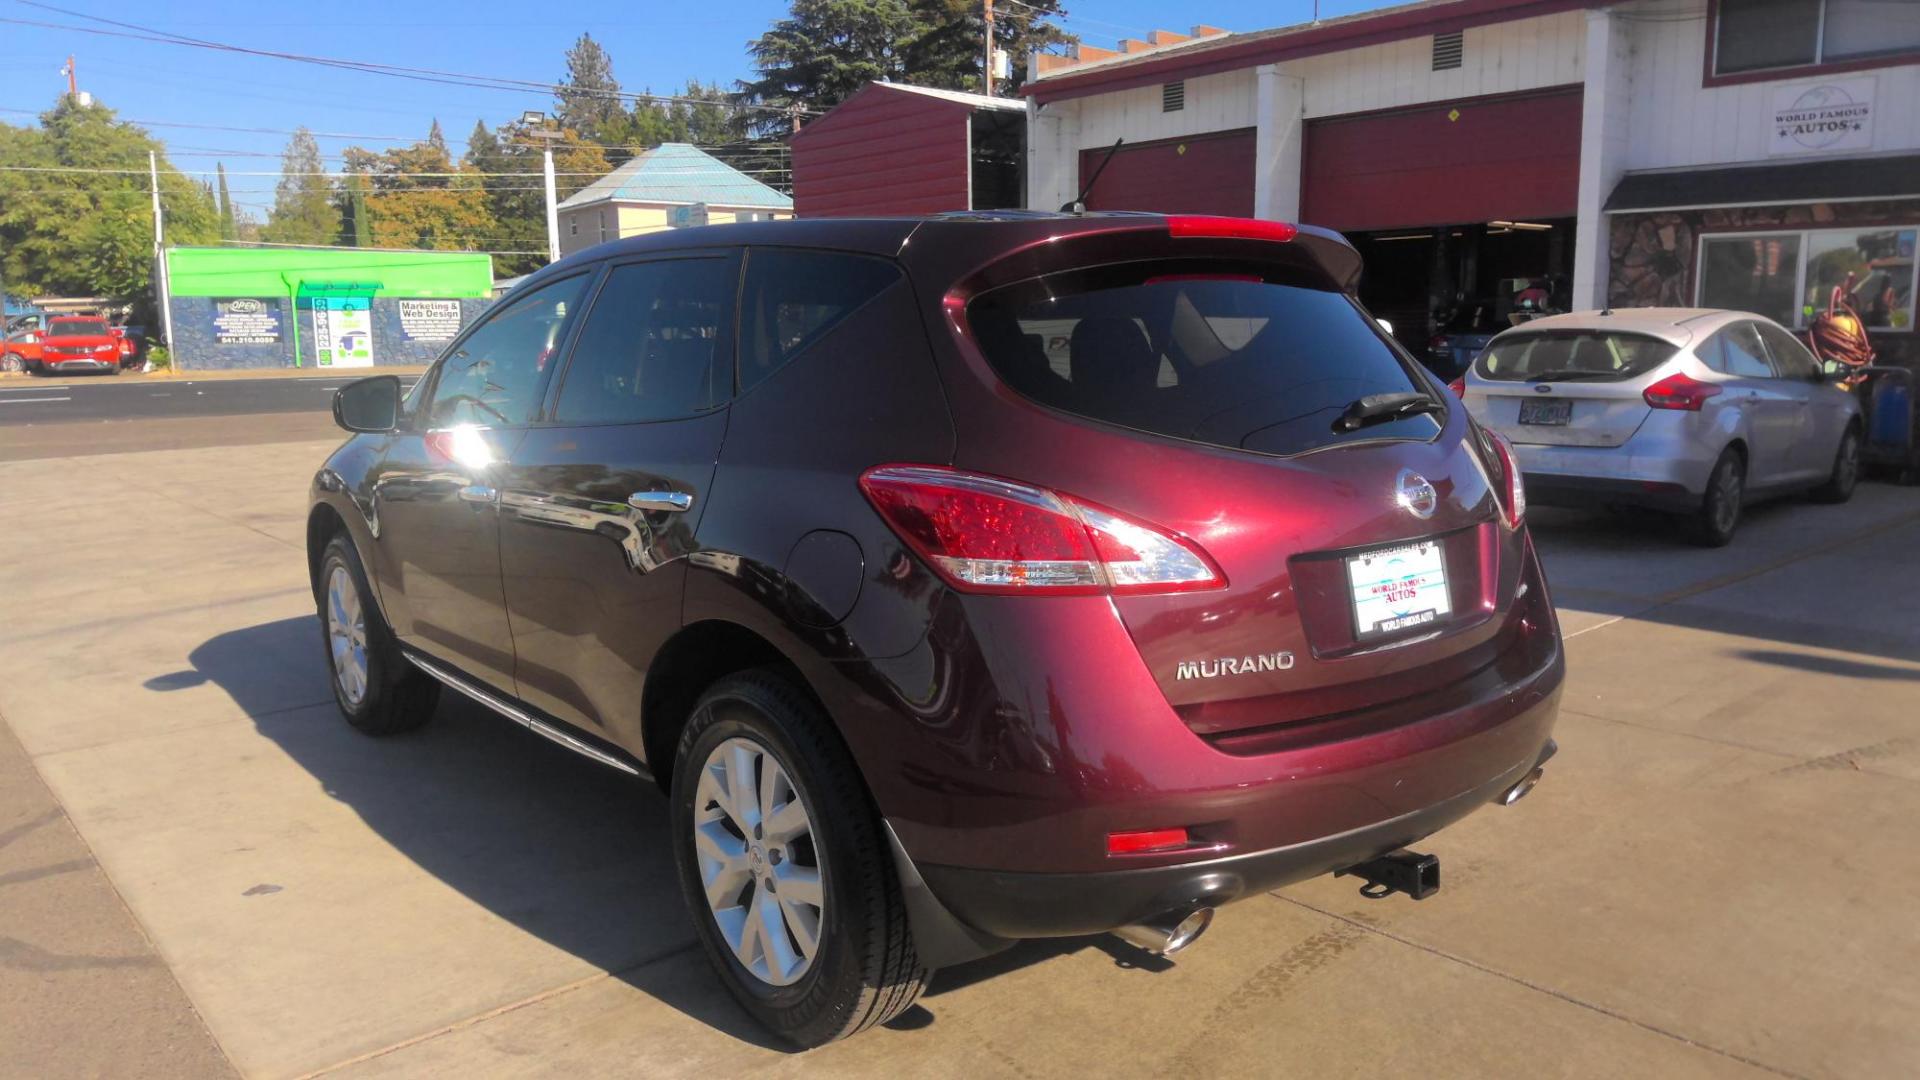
<point x="1843" y="180"/>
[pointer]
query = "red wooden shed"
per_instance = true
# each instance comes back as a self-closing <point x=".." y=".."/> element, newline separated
<point x="898" y="149"/>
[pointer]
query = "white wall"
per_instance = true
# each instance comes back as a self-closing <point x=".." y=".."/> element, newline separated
<point x="1606" y="141"/>
<point x="1675" y="121"/>
<point x="1525" y="54"/>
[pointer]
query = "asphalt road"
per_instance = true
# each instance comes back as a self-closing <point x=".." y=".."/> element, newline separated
<point x="98" y="397"/>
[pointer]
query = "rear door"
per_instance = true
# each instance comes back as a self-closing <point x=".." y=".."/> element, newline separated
<point x="1774" y="415"/>
<point x="1567" y="387"/>
<point x="1207" y="398"/>
<point x="599" y="504"/>
<point x="1820" y="408"/>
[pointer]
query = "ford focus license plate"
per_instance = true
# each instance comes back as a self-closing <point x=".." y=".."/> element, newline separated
<point x="1548" y="412"/>
<point x="1398" y="588"/>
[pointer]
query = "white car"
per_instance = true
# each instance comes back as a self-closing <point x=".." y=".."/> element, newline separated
<point x="1689" y="410"/>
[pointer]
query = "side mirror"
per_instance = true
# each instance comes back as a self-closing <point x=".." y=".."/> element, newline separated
<point x="368" y="405"/>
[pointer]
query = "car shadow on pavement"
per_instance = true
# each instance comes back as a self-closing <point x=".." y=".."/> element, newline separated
<point x="565" y="849"/>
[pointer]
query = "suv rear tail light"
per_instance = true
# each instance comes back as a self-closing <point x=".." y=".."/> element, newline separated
<point x="987" y="535"/>
<point x="1230" y="228"/>
<point x="1516" y="494"/>
<point x="1459" y="387"/>
<point x="1680" y="392"/>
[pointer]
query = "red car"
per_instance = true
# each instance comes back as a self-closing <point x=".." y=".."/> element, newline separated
<point x="961" y="580"/>
<point x="75" y="343"/>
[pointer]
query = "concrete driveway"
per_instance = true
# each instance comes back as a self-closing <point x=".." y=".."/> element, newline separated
<point x="1716" y="878"/>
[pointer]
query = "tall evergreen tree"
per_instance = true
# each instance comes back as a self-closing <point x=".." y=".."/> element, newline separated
<point x="229" y="227"/>
<point x="589" y="100"/>
<point x="436" y="138"/>
<point x="303" y="211"/>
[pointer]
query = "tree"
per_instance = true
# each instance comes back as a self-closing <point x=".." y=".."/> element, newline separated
<point x="90" y="233"/>
<point x="507" y="164"/>
<point x="303" y="210"/>
<point x="414" y="197"/>
<point x="827" y="49"/>
<point x="437" y="139"/>
<point x="589" y="100"/>
<point x="229" y="226"/>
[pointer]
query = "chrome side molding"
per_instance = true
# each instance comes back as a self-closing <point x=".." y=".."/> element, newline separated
<point x="519" y="716"/>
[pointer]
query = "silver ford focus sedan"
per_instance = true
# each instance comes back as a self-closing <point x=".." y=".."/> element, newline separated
<point x="1693" y="411"/>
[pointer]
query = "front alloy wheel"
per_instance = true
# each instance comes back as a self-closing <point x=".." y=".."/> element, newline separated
<point x="347" y="636"/>
<point x="753" y="838"/>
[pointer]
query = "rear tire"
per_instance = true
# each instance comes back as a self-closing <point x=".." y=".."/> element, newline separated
<point x="378" y="691"/>
<point x="1714" y="524"/>
<point x="1846" y="470"/>
<point x="862" y="970"/>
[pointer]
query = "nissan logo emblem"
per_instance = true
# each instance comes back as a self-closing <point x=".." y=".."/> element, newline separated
<point x="1415" y="494"/>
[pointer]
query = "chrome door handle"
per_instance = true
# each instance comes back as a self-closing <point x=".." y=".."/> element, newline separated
<point x="674" y="501"/>
<point x="479" y="493"/>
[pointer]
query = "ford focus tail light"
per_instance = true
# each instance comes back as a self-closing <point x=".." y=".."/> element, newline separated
<point x="1680" y="392"/>
<point x="985" y="534"/>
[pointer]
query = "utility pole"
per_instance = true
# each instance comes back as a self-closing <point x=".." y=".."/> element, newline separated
<point x="73" y="80"/>
<point x="163" y="291"/>
<point x="537" y="122"/>
<point x="989" y="65"/>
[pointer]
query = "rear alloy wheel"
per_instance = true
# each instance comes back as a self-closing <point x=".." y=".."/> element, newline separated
<point x="1846" y="470"/>
<point x="1713" y="525"/>
<point x="783" y="863"/>
<point x="377" y="690"/>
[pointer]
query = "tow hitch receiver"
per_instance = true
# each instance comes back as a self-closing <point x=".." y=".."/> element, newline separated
<point x="1400" y="871"/>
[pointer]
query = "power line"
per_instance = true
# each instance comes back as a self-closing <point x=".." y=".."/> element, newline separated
<point x="433" y="75"/>
<point x="241" y="130"/>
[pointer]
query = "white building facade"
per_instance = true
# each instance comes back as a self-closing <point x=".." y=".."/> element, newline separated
<point x="1735" y="153"/>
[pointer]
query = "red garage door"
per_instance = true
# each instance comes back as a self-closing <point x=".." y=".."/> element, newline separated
<point x="1199" y="174"/>
<point x="1513" y="158"/>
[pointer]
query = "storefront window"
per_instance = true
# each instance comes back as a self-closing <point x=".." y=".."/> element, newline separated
<point x="1751" y="272"/>
<point x="1755" y="35"/>
<point x="1882" y="265"/>
<point x="1790" y="277"/>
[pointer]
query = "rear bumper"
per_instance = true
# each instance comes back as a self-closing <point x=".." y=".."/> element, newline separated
<point x="1664" y="464"/>
<point x="1018" y="906"/>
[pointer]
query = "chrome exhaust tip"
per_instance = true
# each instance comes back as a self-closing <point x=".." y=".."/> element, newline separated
<point x="1167" y="933"/>
<point x="1519" y="791"/>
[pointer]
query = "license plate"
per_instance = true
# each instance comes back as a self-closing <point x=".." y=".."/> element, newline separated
<point x="1546" y="412"/>
<point x="1398" y="588"/>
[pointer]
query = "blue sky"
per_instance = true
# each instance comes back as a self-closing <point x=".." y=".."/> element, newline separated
<point x="654" y="45"/>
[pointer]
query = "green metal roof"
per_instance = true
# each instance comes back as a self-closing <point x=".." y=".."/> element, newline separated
<point x="678" y="173"/>
<point x="276" y="271"/>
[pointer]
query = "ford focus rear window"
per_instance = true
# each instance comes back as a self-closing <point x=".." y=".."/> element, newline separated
<point x="1569" y="355"/>
<point x="1218" y="354"/>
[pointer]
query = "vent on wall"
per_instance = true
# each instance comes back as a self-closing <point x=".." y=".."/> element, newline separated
<point x="1447" y="49"/>
<point x="1173" y="96"/>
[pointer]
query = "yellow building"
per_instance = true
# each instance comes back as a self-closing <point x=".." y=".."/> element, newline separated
<point x="672" y="185"/>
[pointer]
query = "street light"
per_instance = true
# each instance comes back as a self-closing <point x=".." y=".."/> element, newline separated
<point x="536" y="122"/>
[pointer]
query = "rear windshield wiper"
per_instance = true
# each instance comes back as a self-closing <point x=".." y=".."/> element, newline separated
<point x="1377" y="408"/>
<point x="1570" y="376"/>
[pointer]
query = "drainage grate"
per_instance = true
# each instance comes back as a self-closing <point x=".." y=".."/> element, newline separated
<point x="1447" y="50"/>
<point x="1173" y="96"/>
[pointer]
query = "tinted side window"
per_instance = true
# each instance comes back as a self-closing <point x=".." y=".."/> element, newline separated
<point x="1744" y="355"/>
<point x="496" y="374"/>
<point x="793" y="298"/>
<point x="649" y="347"/>
<point x="1790" y="358"/>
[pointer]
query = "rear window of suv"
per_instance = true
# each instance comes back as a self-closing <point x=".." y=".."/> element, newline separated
<point x="1220" y="354"/>
<point x="1568" y="355"/>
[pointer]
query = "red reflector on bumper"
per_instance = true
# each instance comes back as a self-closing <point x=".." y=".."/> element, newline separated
<point x="1134" y="843"/>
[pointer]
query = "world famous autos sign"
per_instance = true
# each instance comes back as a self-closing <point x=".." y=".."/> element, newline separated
<point x="1828" y="116"/>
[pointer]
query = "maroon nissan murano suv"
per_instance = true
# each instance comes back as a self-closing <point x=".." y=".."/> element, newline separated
<point x="961" y="580"/>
